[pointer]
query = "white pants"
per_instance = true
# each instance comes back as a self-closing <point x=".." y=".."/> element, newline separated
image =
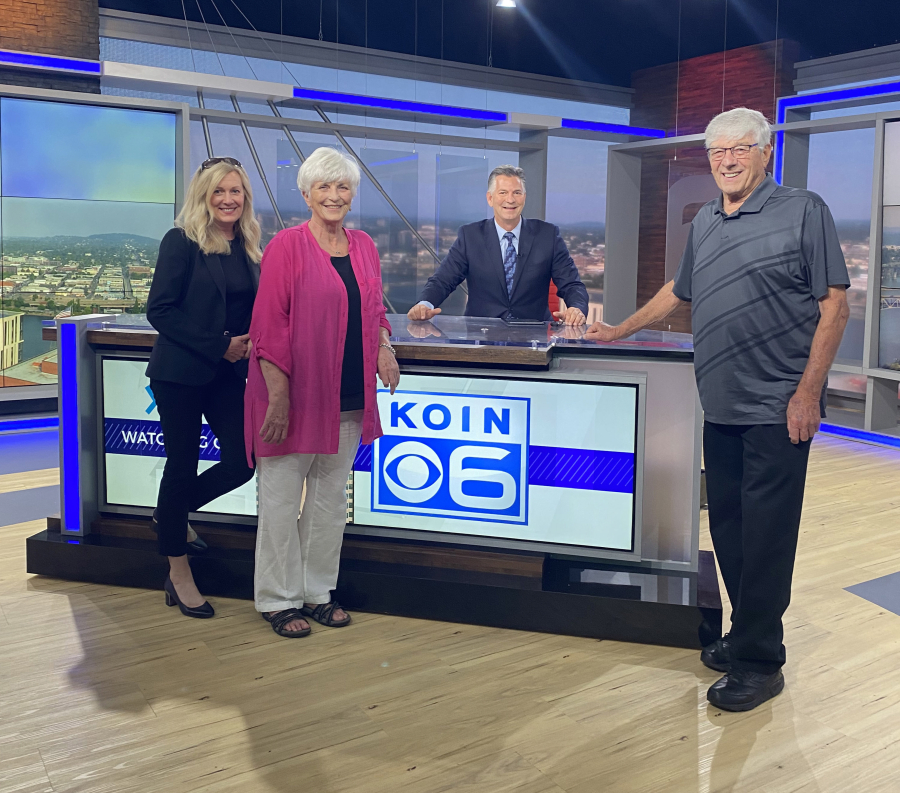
<point x="297" y="560"/>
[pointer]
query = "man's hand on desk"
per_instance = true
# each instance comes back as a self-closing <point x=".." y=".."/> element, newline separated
<point x="421" y="312"/>
<point x="571" y="316"/>
<point x="600" y="331"/>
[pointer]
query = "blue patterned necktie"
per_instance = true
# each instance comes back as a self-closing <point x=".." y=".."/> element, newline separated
<point x="509" y="261"/>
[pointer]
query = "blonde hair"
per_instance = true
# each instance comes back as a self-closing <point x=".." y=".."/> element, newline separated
<point x="197" y="220"/>
<point x="328" y="165"/>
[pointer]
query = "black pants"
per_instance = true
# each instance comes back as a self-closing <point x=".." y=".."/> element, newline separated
<point x="181" y="410"/>
<point x="755" y="479"/>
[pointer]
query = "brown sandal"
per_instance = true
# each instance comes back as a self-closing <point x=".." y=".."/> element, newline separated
<point x="282" y="618"/>
<point x="324" y="614"/>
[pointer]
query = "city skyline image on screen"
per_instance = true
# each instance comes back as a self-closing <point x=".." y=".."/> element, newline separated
<point x="86" y="194"/>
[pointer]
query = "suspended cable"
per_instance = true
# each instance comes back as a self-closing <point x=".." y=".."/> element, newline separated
<point x="208" y="33"/>
<point x="265" y="41"/>
<point x="188" y="30"/>
<point x="724" y="55"/>
<point x="678" y="74"/>
<point x="775" y="69"/>
<point x="249" y="65"/>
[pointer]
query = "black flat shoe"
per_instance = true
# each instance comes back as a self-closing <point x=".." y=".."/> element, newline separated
<point x="195" y="547"/>
<point x="203" y="612"/>
<point x="739" y="690"/>
<point x="717" y="655"/>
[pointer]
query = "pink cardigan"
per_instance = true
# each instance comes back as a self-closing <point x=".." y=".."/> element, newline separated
<point x="299" y="324"/>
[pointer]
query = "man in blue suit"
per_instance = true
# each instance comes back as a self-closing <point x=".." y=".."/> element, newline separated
<point x="508" y="262"/>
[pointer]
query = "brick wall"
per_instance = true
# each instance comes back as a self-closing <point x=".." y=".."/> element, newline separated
<point x="751" y="76"/>
<point x="52" y="27"/>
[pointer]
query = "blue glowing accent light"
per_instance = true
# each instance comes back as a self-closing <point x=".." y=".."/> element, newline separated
<point x="615" y="129"/>
<point x="8" y="58"/>
<point x="821" y="98"/>
<point x="25" y="425"/>
<point x="69" y="420"/>
<point x="399" y="104"/>
<point x="778" y="164"/>
<point x="865" y="436"/>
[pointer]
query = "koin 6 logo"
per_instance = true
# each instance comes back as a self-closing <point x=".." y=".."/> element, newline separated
<point x="459" y="456"/>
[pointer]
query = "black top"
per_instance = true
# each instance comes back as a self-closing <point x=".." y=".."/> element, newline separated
<point x="239" y="291"/>
<point x="187" y="307"/>
<point x="352" y="388"/>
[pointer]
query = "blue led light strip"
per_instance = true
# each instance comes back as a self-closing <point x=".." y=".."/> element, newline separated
<point x="616" y="129"/>
<point x="9" y="58"/>
<point x="822" y="98"/>
<point x="68" y="412"/>
<point x="861" y="435"/>
<point x="24" y="425"/>
<point x="399" y="104"/>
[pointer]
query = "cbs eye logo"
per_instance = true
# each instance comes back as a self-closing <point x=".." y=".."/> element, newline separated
<point x="413" y="472"/>
<point x="453" y="456"/>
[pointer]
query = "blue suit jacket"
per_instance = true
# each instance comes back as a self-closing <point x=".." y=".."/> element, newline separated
<point x="475" y="256"/>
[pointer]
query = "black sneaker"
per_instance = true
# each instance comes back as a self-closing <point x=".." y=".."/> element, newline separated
<point x="717" y="655"/>
<point x="741" y="690"/>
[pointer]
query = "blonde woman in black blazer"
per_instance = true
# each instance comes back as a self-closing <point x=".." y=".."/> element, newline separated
<point x="200" y="301"/>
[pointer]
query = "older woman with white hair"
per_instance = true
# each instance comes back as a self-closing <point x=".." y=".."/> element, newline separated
<point x="319" y="337"/>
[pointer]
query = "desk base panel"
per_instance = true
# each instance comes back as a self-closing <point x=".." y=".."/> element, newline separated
<point x="502" y="597"/>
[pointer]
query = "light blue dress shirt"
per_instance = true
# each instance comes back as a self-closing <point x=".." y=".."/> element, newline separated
<point x="517" y="233"/>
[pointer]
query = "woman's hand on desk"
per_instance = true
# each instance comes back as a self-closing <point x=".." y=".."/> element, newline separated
<point x="600" y="331"/>
<point x="275" y="426"/>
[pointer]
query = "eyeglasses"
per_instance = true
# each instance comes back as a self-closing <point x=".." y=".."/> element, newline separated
<point x="739" y="152"/>
<point x="216" y="160"/>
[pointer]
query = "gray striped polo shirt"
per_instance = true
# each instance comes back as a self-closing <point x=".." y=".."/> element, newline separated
<point x="754" y="279"/>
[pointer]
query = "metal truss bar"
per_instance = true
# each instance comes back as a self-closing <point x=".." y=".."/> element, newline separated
<point x="343" y="141"/>
<point x="256" y="161"/>
<point x="287" y="133"/>
<point x="356" y="131"/>
<point x="205" y="123"/>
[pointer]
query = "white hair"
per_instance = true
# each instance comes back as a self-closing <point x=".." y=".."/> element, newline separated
<point x="328" y="165"/>
<point x="738" y="123"/>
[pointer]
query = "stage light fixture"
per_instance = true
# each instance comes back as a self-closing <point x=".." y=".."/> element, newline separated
<point x="506" y="3"/>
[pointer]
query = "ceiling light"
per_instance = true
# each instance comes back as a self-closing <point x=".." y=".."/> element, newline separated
<point x="506" y="3"/>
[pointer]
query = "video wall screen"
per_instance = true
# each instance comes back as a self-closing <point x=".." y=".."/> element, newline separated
<point x="535" y="460"/>
<point x="134" y="450"/>
<point x="86" y="194"/>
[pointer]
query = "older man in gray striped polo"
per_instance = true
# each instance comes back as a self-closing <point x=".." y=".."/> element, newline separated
<point x="765" y="276"/>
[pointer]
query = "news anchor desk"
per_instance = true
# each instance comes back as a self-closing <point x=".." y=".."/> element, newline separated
<point x="527" y="478"/>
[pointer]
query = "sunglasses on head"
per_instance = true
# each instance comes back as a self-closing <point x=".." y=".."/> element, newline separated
<point x="216" y="160"/>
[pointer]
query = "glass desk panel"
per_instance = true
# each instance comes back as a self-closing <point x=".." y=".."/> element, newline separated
<point x="443" y="330"/>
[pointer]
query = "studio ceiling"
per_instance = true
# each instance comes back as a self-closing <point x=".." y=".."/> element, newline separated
<point x="597" y="40"/>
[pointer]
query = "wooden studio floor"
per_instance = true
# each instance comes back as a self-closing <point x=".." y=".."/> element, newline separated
<point x="105" y="689"/>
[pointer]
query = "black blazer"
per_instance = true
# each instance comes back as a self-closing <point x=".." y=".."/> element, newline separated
<point x="187" y="307"/>
<point x="477" y="258"/>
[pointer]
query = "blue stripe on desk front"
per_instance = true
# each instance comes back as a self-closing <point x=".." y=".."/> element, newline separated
<point x="550" y="466"/>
